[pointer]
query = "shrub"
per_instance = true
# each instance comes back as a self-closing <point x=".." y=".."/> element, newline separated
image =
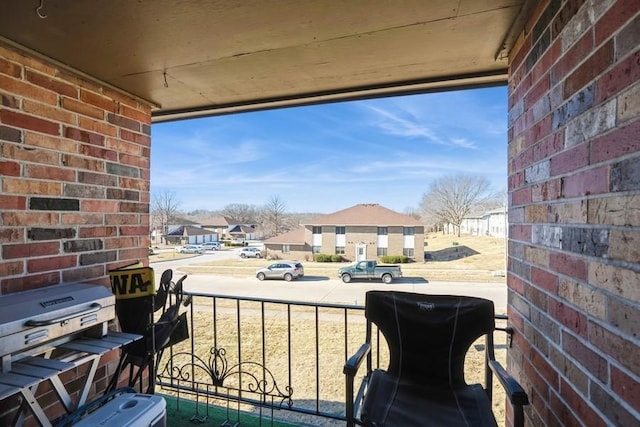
<point x="336" y="258"/>
<point x="322" y="258"/>
<point x="395" y="259"/>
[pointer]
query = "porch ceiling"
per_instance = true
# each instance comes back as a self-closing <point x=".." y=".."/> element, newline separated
<point x="195" y="58"/>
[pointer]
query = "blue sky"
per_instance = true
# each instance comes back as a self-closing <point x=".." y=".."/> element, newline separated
<point x="328" y="157"/>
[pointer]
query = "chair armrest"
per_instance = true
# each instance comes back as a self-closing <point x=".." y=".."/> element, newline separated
<point x="353" y="363"/>
<point x="515" y="392"/>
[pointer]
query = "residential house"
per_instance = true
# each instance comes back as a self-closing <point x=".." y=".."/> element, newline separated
<point x="239" y="233"/>
<point x="218" y="224"/>
<point x="185" y="232"/>
<point x="491" y="223"/>
<point x="362" y="231"/>
<point x="291" y="245"/>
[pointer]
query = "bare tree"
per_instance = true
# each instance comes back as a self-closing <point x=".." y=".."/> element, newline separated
<point x="241" y="213"/>
<point x="452" y="197"/>
<point x="164" y="207"/>
<point x="274" y="215"/>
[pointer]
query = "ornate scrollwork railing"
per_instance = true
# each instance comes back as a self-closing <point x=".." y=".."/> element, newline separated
<point x="216" y="371"/>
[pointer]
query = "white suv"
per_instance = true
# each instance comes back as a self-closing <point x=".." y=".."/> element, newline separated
<point x="250" y="252"/>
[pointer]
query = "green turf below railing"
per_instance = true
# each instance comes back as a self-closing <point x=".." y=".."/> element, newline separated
<point x="181" y="412"/>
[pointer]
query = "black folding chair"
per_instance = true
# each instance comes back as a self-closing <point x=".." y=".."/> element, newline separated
<point x="424" y="385"/>
<point x="136" y="316"/>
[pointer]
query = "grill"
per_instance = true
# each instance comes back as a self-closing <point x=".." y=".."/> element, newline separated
<point x="31" y="322"/>
<point x="49" y="331"/>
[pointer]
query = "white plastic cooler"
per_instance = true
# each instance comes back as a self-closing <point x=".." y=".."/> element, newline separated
<point x="128" y="410"/>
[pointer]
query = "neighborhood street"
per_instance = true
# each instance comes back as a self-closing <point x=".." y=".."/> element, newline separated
<point x="320" y="288"/>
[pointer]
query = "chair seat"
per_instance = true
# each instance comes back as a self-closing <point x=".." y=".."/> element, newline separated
<point x="389" y="402"/>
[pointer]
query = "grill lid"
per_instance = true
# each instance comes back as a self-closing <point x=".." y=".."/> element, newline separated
<point x="40" y="307"/>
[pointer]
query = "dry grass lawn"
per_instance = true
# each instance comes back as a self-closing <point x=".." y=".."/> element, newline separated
<point x="464" y="258"/>
<point x="293" y="362"/>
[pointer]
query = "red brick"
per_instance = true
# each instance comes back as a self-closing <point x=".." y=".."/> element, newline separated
<point x="56" y="143"/>
<point x="31" y="187"/>
<point x="617" y="143"/>
<point x="134" y="231"/>
<point x="620" y="349"/>
<point x="86" y="274"/>
<point x="100" y="101"/>
<point x="561" y="411"/>
<point x="25" y="250"/>
<point x="22" y="219"/>
<point x="9" y="68"/>
<point x="84" y="136"/>
<point x="544" y="280"/>
<point x="520" y="232"/>
<point x="48" y="172"/>
<point x="19" y="88"/>
<point x="70" y="218"/>
<point x="569" y="266"/>
<point x="86" y="232"/>
<point x="84" y="163"/>
<point x="614" y="19"/>
<point x="36" y="265"/>
<point x="99" y="206"/>
<point x="11" y="202"/>
<point x="98" y="152"/>
<point x="592" y="181"/>
<point x="580" y="406"/>
<point x="540" y="89"/>
<point x="548" y="146"/>
<point x="26" y="283"/>
<point x="135" y="137"/>
<point x="539" y="130"/>
<point x="623" y="75"/>
<point x="521" y="197"/>
<point x="134" y="184"/>
<point x="9" y="168"/>
<point x="98" y="126"/>
<point x="11" y="268"/>
<point x="82" y="108"/>
<point x="589" y="70"/>
<point x="570" y="160"/>
<point x="626" y="387"/>
<point x="545" y="191"/>
<point x="24" y="121"/>
<point x="571" y="58"/>
<point x="58" y="86"/>
<point x="568" y="317"/>
<point x="547" y="60"/>
<point x="140" y="116"/>
<point x="48" y="111"/>
<point x="124" y="147"/>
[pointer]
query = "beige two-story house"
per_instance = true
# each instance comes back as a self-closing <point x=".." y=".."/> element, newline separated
<point x="364" y="231"/>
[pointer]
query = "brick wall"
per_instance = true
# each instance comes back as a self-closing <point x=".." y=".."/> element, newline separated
<point x="74" y="177"/>
<point x="574" y="190"/>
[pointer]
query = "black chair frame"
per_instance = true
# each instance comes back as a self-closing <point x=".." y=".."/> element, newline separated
<point x="355" y="403"/>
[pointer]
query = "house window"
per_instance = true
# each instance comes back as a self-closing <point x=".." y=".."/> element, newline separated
<point x="317" y="230"/>
<point x="383" y="231"/>
<point x="407" y="252"/>
<point x="286" y="249"/>
<point x="382" y="251"/>
<point x="408" y="231"/>
<point x="340" y="250"/>
<point x="340" y="230"/>
<point x="317" y="249"/>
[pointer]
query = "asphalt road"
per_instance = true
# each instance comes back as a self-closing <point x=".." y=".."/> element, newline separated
<point x="320" y="288"/>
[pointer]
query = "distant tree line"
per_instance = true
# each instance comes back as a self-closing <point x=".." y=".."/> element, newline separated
<point x="447" y="200"/>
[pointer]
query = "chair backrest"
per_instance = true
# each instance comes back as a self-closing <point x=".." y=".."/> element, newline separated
<point x="429" y="335"/>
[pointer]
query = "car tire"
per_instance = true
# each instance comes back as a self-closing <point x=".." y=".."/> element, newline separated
<point x="386" y="278"/>
<point x="243" y="256"/>
<point x="288" y="277"/>
<point x="258" y="256"/>
<point x="261" y="276"/>
<point x="346" y="278"/>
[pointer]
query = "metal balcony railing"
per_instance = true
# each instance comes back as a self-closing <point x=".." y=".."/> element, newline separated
<point x="278" y="359"/>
